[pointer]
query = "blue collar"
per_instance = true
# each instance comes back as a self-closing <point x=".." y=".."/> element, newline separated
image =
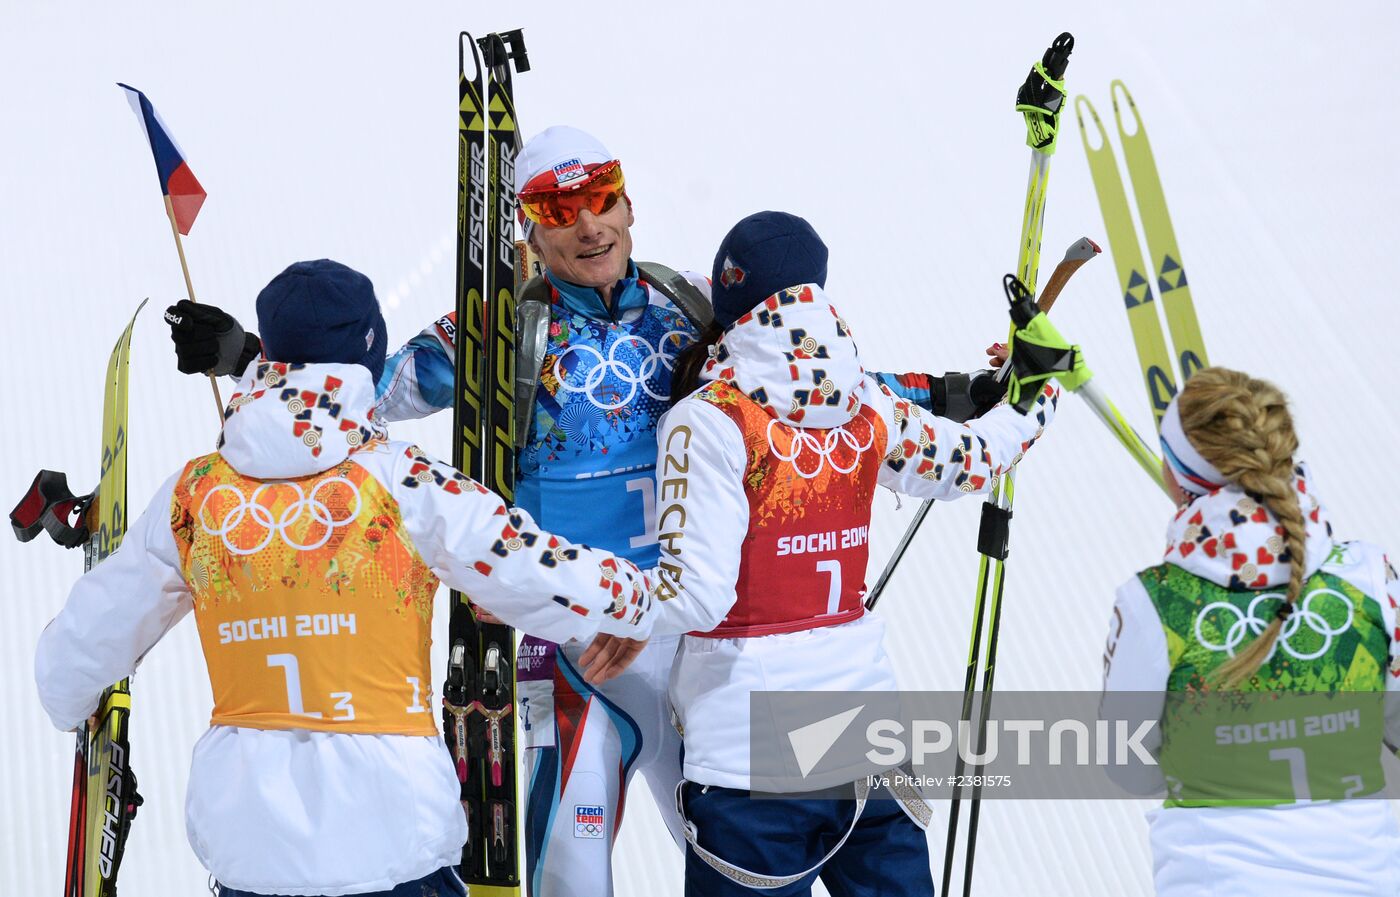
<point x="628" y="293"/>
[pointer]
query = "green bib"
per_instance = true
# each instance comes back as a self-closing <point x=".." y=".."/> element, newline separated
<point x="1307" y="726"/>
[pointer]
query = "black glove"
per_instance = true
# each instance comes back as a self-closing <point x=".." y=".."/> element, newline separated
<point x="961" y="397"/>
<point x="209" y="339"/>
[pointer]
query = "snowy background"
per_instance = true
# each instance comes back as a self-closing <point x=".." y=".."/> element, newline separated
<point x="889" y="126"/>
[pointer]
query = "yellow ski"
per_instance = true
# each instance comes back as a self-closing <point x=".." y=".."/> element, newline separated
<point x="1161" y="239"/>
<point x="1138" y="296"/>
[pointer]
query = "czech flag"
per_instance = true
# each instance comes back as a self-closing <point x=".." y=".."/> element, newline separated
<point x="176" y="179"/>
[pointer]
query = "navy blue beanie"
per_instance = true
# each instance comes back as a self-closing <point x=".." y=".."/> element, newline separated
<point x="322" y="311"/>
<point x="762" y="254"/>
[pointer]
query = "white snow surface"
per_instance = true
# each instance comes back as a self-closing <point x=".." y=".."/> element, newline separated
<point x="328" y="131"/>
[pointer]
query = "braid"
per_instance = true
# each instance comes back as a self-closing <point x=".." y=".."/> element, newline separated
<point x="1242" y="426"/>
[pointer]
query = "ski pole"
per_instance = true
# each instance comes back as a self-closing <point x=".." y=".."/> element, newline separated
<point x="1112" y="418"/>
<point x="1040" y="99"/>
<point x="1078" y="253"/>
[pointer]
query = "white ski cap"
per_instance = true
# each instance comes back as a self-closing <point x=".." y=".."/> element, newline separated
<point x="561" y="151"/>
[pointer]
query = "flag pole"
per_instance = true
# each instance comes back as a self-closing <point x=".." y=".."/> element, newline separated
<point x="189" y="287"/>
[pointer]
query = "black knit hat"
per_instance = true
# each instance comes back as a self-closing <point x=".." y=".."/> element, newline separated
<point x="322" y="311"/>
<point x="762" y="254"/>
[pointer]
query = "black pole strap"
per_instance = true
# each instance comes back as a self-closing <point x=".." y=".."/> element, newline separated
<point x="51" y="506"/>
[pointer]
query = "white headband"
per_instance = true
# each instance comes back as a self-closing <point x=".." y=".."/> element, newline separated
<point x="1193" y="473"/>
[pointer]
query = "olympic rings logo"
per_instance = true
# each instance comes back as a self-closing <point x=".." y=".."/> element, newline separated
<point x="1248" y="621"/>
<point x="804" y="443"/>
<point x="260" y="515"/>
<point x="600" y="368"/>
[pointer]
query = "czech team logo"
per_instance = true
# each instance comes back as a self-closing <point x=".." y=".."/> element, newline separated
<point x="567" y="172"/>
<point x="588" y="822"/>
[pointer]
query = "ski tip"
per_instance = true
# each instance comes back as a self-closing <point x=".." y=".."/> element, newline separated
<point x="465" y="43"/>
<point x="1081" y="104"/>
<point x="1115" y="87"/>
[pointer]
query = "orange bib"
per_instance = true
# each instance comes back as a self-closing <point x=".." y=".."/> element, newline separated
<point x="314" y="610"/>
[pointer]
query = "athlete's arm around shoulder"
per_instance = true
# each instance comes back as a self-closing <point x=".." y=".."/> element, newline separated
<point x="702" y="516"/>
<point x="114" y="614"/>
<point x="531" y="579"/>
<point x="418" y="378"/>
<point x="934" y="457"/>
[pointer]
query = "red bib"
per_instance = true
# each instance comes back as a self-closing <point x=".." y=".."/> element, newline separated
<point x="803" y="559"/>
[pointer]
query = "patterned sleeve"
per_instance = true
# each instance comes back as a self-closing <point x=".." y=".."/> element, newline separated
<point x="418" y="378"/>
<point x="913" y="387"/>
<point x="934" y="457"/>
<point x="533" y="580"/>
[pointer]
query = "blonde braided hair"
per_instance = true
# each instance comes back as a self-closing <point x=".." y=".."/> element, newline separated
<point x="1242" y="426"/>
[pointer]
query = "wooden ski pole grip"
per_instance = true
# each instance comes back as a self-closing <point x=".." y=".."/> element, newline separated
<point x="1079" y="253"/>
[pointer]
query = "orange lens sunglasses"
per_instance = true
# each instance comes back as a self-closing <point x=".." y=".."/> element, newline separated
<point x="560" y="206"/>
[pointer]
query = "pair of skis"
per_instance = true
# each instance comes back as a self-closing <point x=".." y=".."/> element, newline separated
<point x="1141" y="286"/>
<point x="479" y="694"/>
<point x="104" y="797"/>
